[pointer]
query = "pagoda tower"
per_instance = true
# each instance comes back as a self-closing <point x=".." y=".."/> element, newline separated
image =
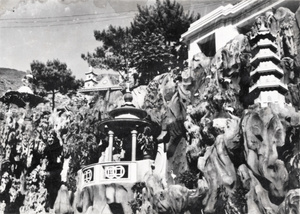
<point x="90" y="78"/>
<point x="266" y="75"/>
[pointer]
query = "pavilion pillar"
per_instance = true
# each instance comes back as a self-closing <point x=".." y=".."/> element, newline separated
<point x="108" y="151"/>
<point x="133" y="147"/>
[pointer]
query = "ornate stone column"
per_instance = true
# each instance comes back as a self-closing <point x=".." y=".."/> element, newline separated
<point x="133" y="147"/>
<point x="108" y="152"/>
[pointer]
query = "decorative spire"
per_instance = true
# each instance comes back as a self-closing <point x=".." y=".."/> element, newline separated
<point x="128" y="99"/>
<point x="127" y="87"/>
<point x="91" y="69"/>
<point x="128" y="96"/>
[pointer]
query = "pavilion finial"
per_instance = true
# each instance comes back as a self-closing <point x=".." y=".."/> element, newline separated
<point x="128" y="98"/>
<point x="127" y="87"/>
<point x="91" y="69"/>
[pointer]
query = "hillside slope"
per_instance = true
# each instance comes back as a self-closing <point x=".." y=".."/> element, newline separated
<point x="10" y="79"/>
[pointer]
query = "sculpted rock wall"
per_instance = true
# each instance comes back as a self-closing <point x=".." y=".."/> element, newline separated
<point x="257" y="197"/>
<point x="159" y="197"/>
<point x="263" y="132"/>
<point x="244" y="152"/>
<point x="291" y="202"/>
<point x="217" y="166"/>
<point x="105" y="199"/>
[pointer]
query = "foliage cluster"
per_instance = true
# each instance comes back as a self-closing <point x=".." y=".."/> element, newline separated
<point x="151" y="45"/>
<point x="81" y="142"/>
<point x="53" y="76"/>
<point x="236" y="204"/>
<point x="136" y="203"/>
<point x="189" y="179"/>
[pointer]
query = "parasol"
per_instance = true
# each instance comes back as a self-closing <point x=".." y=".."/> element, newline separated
<point x="8" y="98"/>
<point x="32" y="99"/>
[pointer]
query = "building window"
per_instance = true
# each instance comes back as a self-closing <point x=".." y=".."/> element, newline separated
<point x="208" y="46"/>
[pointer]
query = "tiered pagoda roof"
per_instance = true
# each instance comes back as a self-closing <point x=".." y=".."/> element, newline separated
<point x="263" y="33"/>
<point x="266" y="68"/>
<point x="125" y="118"/>
<point x="266" y="74"/>
<point x="269" y="82"/>
<point x="264" y="54"/>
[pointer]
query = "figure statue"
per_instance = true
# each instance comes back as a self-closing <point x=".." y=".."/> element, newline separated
<point x="118" y="151"/>
<point x="53" y="153"/>
<point x="147" y="143"/>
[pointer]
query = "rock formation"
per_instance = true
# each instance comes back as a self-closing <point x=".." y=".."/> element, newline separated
<point x="234" y="149"/>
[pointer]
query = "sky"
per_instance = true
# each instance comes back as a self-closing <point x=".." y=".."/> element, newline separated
<point x="64" y="29"/>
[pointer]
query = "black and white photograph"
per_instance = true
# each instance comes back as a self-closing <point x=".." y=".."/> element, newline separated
<point x="149" y="107"/>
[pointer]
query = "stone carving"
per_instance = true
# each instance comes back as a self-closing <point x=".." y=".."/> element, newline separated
<point x="154" y="103"/>
<point x="177" y="199"/>
<point x="297" y="38"/>
<point x="291" y="203"/>
<point x="288" y="40"/>
<point x="260" y="23"/>
<point x="263" y="132"/>
<point x="290" y="76"/>
<point x="147" y="143"/>
<point x="286" y="20"/>
<point x="282" y="24"/>
<point x="110" y="198"/>
<point x="161" y="198"/>
<point x="62" y="203"/>
<point x="166" y="103"/>
<point x="226" y="63"/>
<point x="200" y="72"/>
<point x="257" y="197"/>
<point x="216" y="165"/>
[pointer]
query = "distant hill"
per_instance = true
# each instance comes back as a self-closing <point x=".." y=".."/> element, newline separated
<point x="10" y="79"/>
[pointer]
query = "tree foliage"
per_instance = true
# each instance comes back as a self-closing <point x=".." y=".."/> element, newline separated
<point x="151" y="44"/>
<point x="150" y="55"/>
<point x="167" y="18"/>
<point x="53" y="77"/>
<point x="189" y="179"/>
<point x="113" y="51"/>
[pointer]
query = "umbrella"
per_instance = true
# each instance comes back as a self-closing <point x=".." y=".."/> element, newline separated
<point x="26" y="97"/>
<point x="12" y="99"/>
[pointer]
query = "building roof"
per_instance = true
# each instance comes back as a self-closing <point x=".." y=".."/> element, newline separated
<point x="239" y="15"/>
<point x="106" y="83"/>
<point x="105" y="79"/>
<point x="88" y="80"/>
<point x="90" y="72"/>
<point x="83" y="90"/>
<point x="99" y="71"/>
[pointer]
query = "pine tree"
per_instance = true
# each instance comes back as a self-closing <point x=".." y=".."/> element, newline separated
<point x="151" y="44"/>
<point x="53" y="77"/>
